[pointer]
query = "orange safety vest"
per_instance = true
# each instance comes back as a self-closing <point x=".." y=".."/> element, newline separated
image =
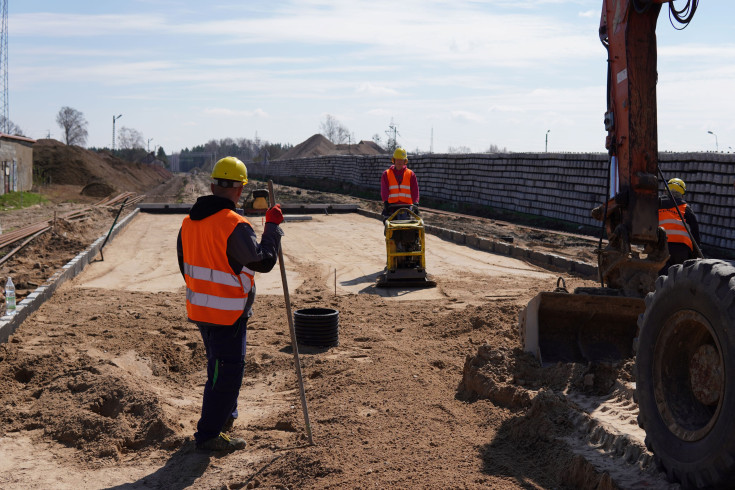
<point x="676" y="232"/>
<point x="399" y="193"/>
<point x="214" y="294"/>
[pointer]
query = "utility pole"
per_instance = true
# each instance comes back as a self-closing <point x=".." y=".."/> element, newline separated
<point x="149" y="144"/>
<point x="114" y="118"/>
<point x="393" y="134"/>
<point x="431" y="145"/>
<point x="4" y="68"/>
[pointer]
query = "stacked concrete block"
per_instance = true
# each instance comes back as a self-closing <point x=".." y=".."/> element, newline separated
<point x="564" y="186"/>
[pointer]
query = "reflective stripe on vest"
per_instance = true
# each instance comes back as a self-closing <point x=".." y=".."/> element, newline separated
<point x="676" y="232"/>
<point x="214" y="294"/>
<point x="399" y="193"/>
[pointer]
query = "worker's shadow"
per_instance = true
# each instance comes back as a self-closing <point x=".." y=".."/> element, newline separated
<point x="181" y="470"/>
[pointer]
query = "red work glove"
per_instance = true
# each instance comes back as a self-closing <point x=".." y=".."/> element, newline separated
<point x="274" y="215"/>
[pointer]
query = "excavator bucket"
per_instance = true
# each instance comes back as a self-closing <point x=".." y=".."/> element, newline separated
<point x="591" y="325"/>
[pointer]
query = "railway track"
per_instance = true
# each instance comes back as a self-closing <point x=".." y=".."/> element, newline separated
<point x="26" y="234"/>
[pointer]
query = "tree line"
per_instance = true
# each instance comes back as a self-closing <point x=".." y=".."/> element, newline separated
<point x="131" y="143"/>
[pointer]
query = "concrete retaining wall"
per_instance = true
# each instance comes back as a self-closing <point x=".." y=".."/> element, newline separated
<point x="559" y="186"/>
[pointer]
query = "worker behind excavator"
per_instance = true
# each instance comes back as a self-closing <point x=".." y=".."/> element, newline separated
<point x="398" y="184"/>
<point x="219" y="255"/>
<point x="679" y="241"/>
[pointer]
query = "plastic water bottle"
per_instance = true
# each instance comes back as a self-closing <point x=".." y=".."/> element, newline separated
<point x="9" y="297"/>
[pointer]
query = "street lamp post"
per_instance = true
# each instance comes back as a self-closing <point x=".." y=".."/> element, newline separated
<point x="149" y="144"/>
<point x="114" y="118"/>
<point x="547" y="140"/>
<point x="717" y="146"/>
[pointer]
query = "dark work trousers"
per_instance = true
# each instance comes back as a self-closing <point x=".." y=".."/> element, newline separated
<point x="225" y="346"/>
<point x="678" y="253"/>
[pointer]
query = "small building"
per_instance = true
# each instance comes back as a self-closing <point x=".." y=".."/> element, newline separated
<point x="16" y="163"/>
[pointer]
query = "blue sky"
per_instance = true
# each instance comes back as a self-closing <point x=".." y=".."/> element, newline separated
<point x="448" y="73"/>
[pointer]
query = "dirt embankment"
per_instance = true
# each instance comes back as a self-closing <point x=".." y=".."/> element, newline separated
<point x="98" y="174"/>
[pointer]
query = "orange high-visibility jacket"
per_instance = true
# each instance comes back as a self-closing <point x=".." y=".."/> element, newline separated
<point x="214" y="294"/>
<point x="399" y="193"/>
<point x="676" y="232"/>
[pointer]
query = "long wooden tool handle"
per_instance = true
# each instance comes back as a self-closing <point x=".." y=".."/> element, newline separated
<point x="294" y="344"/>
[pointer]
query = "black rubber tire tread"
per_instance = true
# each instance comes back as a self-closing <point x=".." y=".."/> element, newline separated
<point x="707" y="287"/>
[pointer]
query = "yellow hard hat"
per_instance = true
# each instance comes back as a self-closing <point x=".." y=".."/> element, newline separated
<point x="677" y="185"/>
<point x="230" y="168"/>
<point x="400" y="154"/>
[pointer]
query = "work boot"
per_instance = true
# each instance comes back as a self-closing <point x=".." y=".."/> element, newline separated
<point x="228" y="424"/>
<point x="222" y="442"/>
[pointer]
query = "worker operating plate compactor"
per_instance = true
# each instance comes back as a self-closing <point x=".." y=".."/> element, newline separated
<point x="405" y="246"/>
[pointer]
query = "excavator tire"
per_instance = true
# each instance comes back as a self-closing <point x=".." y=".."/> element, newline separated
<point x="685" y="373"/>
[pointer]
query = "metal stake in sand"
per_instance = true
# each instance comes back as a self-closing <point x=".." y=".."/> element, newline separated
<point x="292" y="330"/>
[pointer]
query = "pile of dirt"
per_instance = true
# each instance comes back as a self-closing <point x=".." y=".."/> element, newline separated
<point x="58" y="163"/>
<point x="318" y="145"/>
<point x="92" y="405"/>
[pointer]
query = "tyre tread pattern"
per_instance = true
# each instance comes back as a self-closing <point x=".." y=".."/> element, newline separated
<point x="715" y="278"/>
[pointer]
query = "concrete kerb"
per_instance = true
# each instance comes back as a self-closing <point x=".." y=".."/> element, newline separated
<point x="548" y="261"/>
<point x="31" y="303"/>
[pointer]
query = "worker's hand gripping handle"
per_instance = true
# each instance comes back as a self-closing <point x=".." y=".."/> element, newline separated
<point x="274" y="215"/>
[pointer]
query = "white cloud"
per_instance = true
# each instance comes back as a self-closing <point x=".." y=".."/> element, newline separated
<point x="477" y="71"/>
<point x="221" y="111"/>
<point x="378" y="112"/>
<point x="47" y="24"/>
<point x="369" y="88"/>
<point x="466" y="117"/>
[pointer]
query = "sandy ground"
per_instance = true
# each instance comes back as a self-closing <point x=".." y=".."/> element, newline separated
<point x="384" y="403"/>
<point x="101" y="387"/>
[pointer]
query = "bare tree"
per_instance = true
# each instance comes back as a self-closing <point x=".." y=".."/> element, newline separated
<point x="335" y="131"/>
<point x="9" y="127"/>
<point x="496" y="149"/>
<point x="74" y="125"/>
<point x="129" y="139"/>
<point x="459" y="149"/>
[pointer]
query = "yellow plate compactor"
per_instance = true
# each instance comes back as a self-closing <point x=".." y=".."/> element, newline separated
<point x="405" y="246"/>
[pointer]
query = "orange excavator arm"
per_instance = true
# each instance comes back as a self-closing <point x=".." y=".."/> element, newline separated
<point x="628" y="31"/>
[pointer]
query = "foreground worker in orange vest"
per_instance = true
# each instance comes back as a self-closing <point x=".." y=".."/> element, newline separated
<point x="679" y="241"/>
<point x="219" y="255"/>
<point x="398" y="184"/>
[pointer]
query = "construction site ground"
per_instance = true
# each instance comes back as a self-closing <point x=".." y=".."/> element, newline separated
<point x="428" y="388"/>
